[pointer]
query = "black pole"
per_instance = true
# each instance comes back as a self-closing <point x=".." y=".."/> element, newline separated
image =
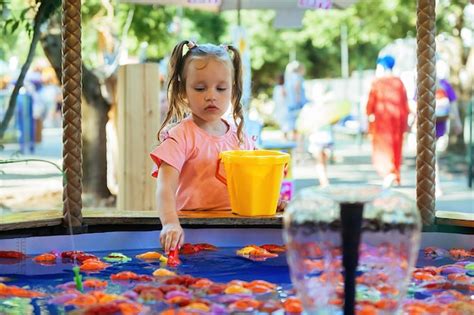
<point x="469" y="149"/>
<point x="351" y="220"/>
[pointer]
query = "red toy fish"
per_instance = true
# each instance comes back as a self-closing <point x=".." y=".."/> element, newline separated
<point x="11" y="254"/>
<point x="205" y="247"/>
<point x="188" y="249"/>
<point x="173" y="259"/>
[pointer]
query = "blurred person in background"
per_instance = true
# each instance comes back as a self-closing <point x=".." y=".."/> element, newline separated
<point x="34" y="86"/>
<point x="279" y="99"/>
<point x="447" y="114"/>
<point x="387" y="111"/>
<point x="51" y="96"/>
<point x="295" y="98"/>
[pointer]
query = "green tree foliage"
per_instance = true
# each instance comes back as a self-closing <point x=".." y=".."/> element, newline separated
<point x="203" y="26"/>
<point x="153" y="24"/>
<point x="43" y="10"/>
<point x="16" y="25"/>
<point x="150" y="24"/>
<point x="268" y="50"/>
<point x="371" y="25"/>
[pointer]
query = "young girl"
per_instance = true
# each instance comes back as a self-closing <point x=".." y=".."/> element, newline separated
<point x="204" y="81"/>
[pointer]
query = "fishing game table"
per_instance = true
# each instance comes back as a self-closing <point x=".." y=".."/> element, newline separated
<point x="224" y="230"/>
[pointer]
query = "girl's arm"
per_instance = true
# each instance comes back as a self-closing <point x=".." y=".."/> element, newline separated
<point x="172" y="234"/>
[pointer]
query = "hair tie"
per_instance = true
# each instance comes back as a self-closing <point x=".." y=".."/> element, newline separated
<point x="191" y="44"/>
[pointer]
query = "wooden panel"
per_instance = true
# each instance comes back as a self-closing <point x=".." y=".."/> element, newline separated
<point x="455" y="218"/>
<point x="30" y="219"/>
<point x="138" y="121"/>
<point x="204" y="217"/>
<point x="51" y="218"/>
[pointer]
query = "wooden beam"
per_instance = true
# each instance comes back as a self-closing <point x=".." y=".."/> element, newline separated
<point x="138" y="111"/>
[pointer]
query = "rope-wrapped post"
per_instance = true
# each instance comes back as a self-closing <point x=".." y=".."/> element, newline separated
<point x="426" y="83"/>
<point x="72" y="132"/>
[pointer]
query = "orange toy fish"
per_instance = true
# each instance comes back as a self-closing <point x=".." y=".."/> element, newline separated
<point x="115" y="307"/>
<point x="95" y="284"/>
<point x="202" y="284"/>
<point x="244" y="305"/>
<point x="14" y="291"/>
<point x="255" y="252"/>
<point x="161" y="272"/>
<point x="130" y="276"/>
<point x="292" y="305"/>
<point x="93" y="265"/>
<point x="459" y="253"/>
<point x="45" y="259"/>
<point x="152" y="256"/>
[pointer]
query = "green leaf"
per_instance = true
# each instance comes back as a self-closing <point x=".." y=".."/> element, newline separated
<point x="23" y="13"/>
<point x="7" y="22"/>
<point x="14" y="26"/>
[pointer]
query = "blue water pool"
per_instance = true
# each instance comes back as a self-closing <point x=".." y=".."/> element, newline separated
<point x="221" y="266"/>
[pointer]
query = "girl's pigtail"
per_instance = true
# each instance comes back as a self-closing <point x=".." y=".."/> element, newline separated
<point x="175" y="88"/>
<point x="237" y="112"/>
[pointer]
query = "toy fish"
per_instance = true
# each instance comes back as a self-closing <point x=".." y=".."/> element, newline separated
<point x="255" y="253"/>
<point x="11" y="254"/>
<point x="173" y="259"/>
<point x="435" y="252"/>
<point x="162" y="272"/>
<point x="46" y="258"/>
<point x="93" y="265"/>
<point x="152" y="256"/>
<point x="273" y="248"/>
<point x="117" y="257"/>
<point x="189" y="248"/>
<point x="459" y="253"/>
<point x="76" y="255"/>
<point x="130" y="276"/>
<point x="95" y="284"/>
<point x="14" y="291"/>
<point x="205" y="246"/>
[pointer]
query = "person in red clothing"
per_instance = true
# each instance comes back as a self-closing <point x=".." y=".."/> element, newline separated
<point x="387" y="111"/>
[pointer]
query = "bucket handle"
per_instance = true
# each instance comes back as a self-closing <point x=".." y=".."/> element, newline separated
<point x="218" y="175"/>
<point x="285" y="170"/>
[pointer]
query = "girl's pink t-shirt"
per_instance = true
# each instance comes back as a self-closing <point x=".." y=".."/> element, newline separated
<point x="194" y="153"/>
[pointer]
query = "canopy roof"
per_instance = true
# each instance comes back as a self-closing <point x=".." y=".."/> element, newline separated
<point x="221" y="5"/>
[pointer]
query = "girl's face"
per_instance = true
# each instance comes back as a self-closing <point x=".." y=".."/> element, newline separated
<point x="208" y="88"/>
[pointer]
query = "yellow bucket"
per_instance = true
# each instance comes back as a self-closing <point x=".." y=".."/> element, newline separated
<point x="253" y="179"/>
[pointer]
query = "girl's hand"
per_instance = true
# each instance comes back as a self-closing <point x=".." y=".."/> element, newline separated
<point x="171" y="236"/>
<point x="281" y="205"/>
